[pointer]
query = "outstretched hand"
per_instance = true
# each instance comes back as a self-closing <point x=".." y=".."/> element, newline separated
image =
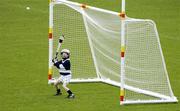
<point x="61" y="39"/>
<point x="54" y="60"/>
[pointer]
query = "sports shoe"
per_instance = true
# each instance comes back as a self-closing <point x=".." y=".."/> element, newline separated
<point x="58" y="94"/>
<point x="71" y="96"/>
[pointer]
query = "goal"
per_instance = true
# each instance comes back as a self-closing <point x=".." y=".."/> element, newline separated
<point x="112" y="48"/>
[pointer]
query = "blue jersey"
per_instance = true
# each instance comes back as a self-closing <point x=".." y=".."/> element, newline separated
<point x="64" y="66"/>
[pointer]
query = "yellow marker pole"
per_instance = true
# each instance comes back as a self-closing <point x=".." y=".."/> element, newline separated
<point x="122" y="16"/>
<point x="50" y="37"/>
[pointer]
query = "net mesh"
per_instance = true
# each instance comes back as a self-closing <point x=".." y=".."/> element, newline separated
<point x="103" y="30"/>
<point x="69" y="22"/>
<point x="94" y="39"/>
<point x="144" y="65"/>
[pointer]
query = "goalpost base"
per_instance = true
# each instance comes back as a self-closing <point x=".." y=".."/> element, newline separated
<point x="78" y="80"/>
<point x="107" y="81"/>
<point x="113" y="83"/>
<point x="149" y="101"/>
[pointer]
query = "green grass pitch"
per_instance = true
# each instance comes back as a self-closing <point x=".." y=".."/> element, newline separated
<point x="24" y="57"/>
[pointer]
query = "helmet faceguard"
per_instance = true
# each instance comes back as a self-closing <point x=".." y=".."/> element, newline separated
<point x="65" y="54"/>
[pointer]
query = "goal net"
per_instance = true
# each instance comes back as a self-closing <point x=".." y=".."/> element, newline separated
<point x="93" y="36"/>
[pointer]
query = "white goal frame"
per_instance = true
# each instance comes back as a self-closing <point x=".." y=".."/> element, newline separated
<point x="122" y="71"/>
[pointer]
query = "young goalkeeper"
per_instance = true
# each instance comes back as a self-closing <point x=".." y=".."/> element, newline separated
<point x="64" y="67"/>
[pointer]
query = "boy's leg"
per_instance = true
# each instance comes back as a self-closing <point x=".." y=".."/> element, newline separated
<point x="66" y="80"/>
<point x="70" y="94"/>
<point x="58" y="90"/>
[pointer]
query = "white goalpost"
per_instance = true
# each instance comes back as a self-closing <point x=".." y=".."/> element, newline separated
<point x="112" y="48"/>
